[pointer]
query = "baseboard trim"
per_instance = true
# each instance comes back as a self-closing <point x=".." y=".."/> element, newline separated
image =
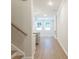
<point x="62" y="47"/>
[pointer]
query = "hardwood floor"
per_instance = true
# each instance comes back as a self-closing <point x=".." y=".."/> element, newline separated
<point x="49" y="48"/>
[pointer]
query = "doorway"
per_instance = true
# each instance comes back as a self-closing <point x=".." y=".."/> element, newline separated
<point x="44" y="26"/>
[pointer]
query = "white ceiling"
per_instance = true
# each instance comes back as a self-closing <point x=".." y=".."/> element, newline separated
<point x="41" y="7"/>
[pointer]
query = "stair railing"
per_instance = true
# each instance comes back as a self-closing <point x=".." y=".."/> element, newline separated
<point x="19" y="29"/>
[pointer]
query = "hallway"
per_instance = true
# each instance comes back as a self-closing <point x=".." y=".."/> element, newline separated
<point x="33" y="19"/>
<point x="49" y="48"/>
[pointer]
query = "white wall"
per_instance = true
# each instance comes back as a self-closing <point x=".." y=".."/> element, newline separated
<point x="21" y="17"/>
<point x="21" y="14"/>
<point x="62" y="24"/>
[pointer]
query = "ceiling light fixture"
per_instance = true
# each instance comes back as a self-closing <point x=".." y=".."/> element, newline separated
<point x="45" y="15"/>
<point x="50" y="3"/>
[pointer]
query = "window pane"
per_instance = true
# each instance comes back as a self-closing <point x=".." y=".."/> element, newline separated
<point x="47" y="25"/>
<point x="43" y="22"/>
<point x="38" y="24"/>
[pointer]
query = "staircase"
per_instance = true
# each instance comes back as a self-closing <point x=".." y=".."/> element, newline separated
<point x="18" y="57"/>
<point x="15" y="53"/>
<point x="20" y="44"/>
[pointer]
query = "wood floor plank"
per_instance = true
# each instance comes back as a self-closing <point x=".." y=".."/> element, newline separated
<point x="49" y="48"/>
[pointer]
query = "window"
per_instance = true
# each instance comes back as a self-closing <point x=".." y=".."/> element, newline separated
<point x="43" y="23"/>
<point x="47" y="25"/>
<point x="38" y="24"/>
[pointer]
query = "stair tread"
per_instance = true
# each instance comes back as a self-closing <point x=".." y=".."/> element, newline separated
<point x="13" y="51"/>
<point x="17" y="57"/>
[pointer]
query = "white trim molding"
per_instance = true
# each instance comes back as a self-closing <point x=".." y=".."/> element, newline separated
<point x="62" y="47"/>
<point x="19" y="50"/>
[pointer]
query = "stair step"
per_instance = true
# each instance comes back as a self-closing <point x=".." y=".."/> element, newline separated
<point x="13" y="51"/>
<point x="17" y="57"/>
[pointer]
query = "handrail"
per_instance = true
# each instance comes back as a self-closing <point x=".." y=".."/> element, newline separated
<point x="19" y="29"/>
